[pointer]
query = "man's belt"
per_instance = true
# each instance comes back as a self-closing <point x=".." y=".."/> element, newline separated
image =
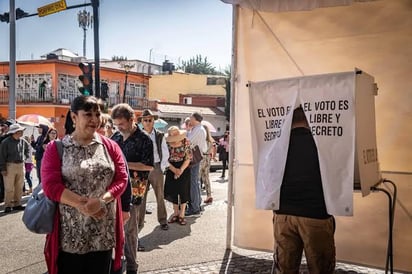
<point x="17" y="162"/>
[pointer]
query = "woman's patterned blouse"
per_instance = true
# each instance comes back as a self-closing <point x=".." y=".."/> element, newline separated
<point x="87" y="171"/>
<point x="180" y="153"/>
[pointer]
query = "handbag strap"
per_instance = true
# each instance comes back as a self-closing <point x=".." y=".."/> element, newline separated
<point x="59" y="146"/>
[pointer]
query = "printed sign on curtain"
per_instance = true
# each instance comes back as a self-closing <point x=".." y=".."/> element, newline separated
<point x="328" y="102"/>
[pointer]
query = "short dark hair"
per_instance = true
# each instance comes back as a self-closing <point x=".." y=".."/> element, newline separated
<point x="298" y="115"/>
<point x="86" y="103"/>
<point x="122" y="111"/>
<point x="197" y="116"/>
<point x="81" y="102"/>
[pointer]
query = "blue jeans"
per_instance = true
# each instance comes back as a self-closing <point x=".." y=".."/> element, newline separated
<point x="195" y="198"/>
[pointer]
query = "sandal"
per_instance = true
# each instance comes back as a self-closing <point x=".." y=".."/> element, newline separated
<point x="182" y="221"/>
<point x="173" y="219"/>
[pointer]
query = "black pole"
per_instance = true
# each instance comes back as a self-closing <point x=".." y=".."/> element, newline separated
<point x="125" y="86"/>
<point x="95" y="5"/>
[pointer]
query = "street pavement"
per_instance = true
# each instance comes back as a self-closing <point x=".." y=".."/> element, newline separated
<point x="197" y="247"/>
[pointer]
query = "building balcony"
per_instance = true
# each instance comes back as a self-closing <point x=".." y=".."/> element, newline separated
<point x="32" y="96"/>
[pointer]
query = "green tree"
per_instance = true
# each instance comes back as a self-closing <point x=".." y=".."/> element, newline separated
<point x="198" y="65"/>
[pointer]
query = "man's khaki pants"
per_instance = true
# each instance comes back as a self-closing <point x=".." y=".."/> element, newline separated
<point x="13" y="184"/>
<point x="156" y="180"/>
<point x="294" y="234"/>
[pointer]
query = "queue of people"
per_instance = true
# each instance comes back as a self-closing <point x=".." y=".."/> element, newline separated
<point x="101" y="181"/>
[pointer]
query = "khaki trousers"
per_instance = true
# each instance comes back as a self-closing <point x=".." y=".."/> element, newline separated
<point x="13" y="184"/>
<point x="156" y="180"/>
<point x="294" y="234"/>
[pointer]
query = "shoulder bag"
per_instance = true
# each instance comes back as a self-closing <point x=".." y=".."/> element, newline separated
<point x="39" y="213"/>
<point x="196" y="156"/>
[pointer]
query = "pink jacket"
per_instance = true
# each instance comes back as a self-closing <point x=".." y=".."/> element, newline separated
<point x="53" y="188"/>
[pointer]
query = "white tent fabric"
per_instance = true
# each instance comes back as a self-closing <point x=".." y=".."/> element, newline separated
<point x="375" y="36"/>
<point x="290" y="5"/>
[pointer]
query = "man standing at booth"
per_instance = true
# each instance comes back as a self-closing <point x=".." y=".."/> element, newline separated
<point x="302" y="221"/>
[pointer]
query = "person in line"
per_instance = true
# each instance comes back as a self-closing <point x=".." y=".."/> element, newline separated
<point x="137" y="148"/>
<point x="186" y="125"/>
<point x="205" y="165"/>
<point x="38" y="147"/>
<point x="224" y="152"/>
<point x="86" y="181"/>
<point x="156" y="178"/>
<point x="302" y="221"/>
<point x="4" y="128"/>
<point x="107" y="129"/>
<point x="197" y="137"/>
<point x="177" y="183"/>
<point x="28" y="167"/>
<point x="51" y="136"/>
<point x="14" y="150"/>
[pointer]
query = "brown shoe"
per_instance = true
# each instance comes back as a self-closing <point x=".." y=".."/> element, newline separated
<point x="208" y="200"/>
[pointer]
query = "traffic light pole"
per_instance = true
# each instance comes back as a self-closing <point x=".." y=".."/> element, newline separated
<point x="95" y="5"/>
<point x="12" y="63"/>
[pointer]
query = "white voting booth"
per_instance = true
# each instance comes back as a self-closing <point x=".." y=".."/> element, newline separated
<point x="340" y="110"/>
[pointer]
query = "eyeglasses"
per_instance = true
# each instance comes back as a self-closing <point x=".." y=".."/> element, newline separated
<point x="147" y="120"/>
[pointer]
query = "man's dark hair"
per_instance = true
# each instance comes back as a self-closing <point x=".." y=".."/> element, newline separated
<point x="122" y="111"/>
<point x="197" y="116"/>
<point x="298" y="115"/>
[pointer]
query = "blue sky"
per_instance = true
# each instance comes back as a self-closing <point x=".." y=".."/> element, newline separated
<point x="174" y="29"/>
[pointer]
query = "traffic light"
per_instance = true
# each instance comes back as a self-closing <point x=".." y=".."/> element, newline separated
<point x="104" y="89"/>
<point x="86" y="78"/>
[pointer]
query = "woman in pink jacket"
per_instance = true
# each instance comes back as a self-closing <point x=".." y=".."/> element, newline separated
<point x="86" y="181"/>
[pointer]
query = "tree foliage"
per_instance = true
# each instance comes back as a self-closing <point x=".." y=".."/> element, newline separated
<point x="198" y="65"/>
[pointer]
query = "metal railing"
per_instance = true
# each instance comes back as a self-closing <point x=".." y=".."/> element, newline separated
<point x="27" y="96"/>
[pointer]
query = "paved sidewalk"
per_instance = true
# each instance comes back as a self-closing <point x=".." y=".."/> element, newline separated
<point x="261" y="264"/>
<point x="199" y="247"/>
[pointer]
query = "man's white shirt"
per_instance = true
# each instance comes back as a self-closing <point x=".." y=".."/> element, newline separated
<point x="197" y="136"/>
<point x="165" y="151"/>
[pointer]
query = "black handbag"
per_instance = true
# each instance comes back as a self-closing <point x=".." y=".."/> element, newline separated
<point x="196" y="156"/>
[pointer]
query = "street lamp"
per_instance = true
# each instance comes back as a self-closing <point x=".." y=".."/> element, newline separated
<point x="127" y="67"/>
<point x="150" y="61"/>
<point x="85" y="19"/>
